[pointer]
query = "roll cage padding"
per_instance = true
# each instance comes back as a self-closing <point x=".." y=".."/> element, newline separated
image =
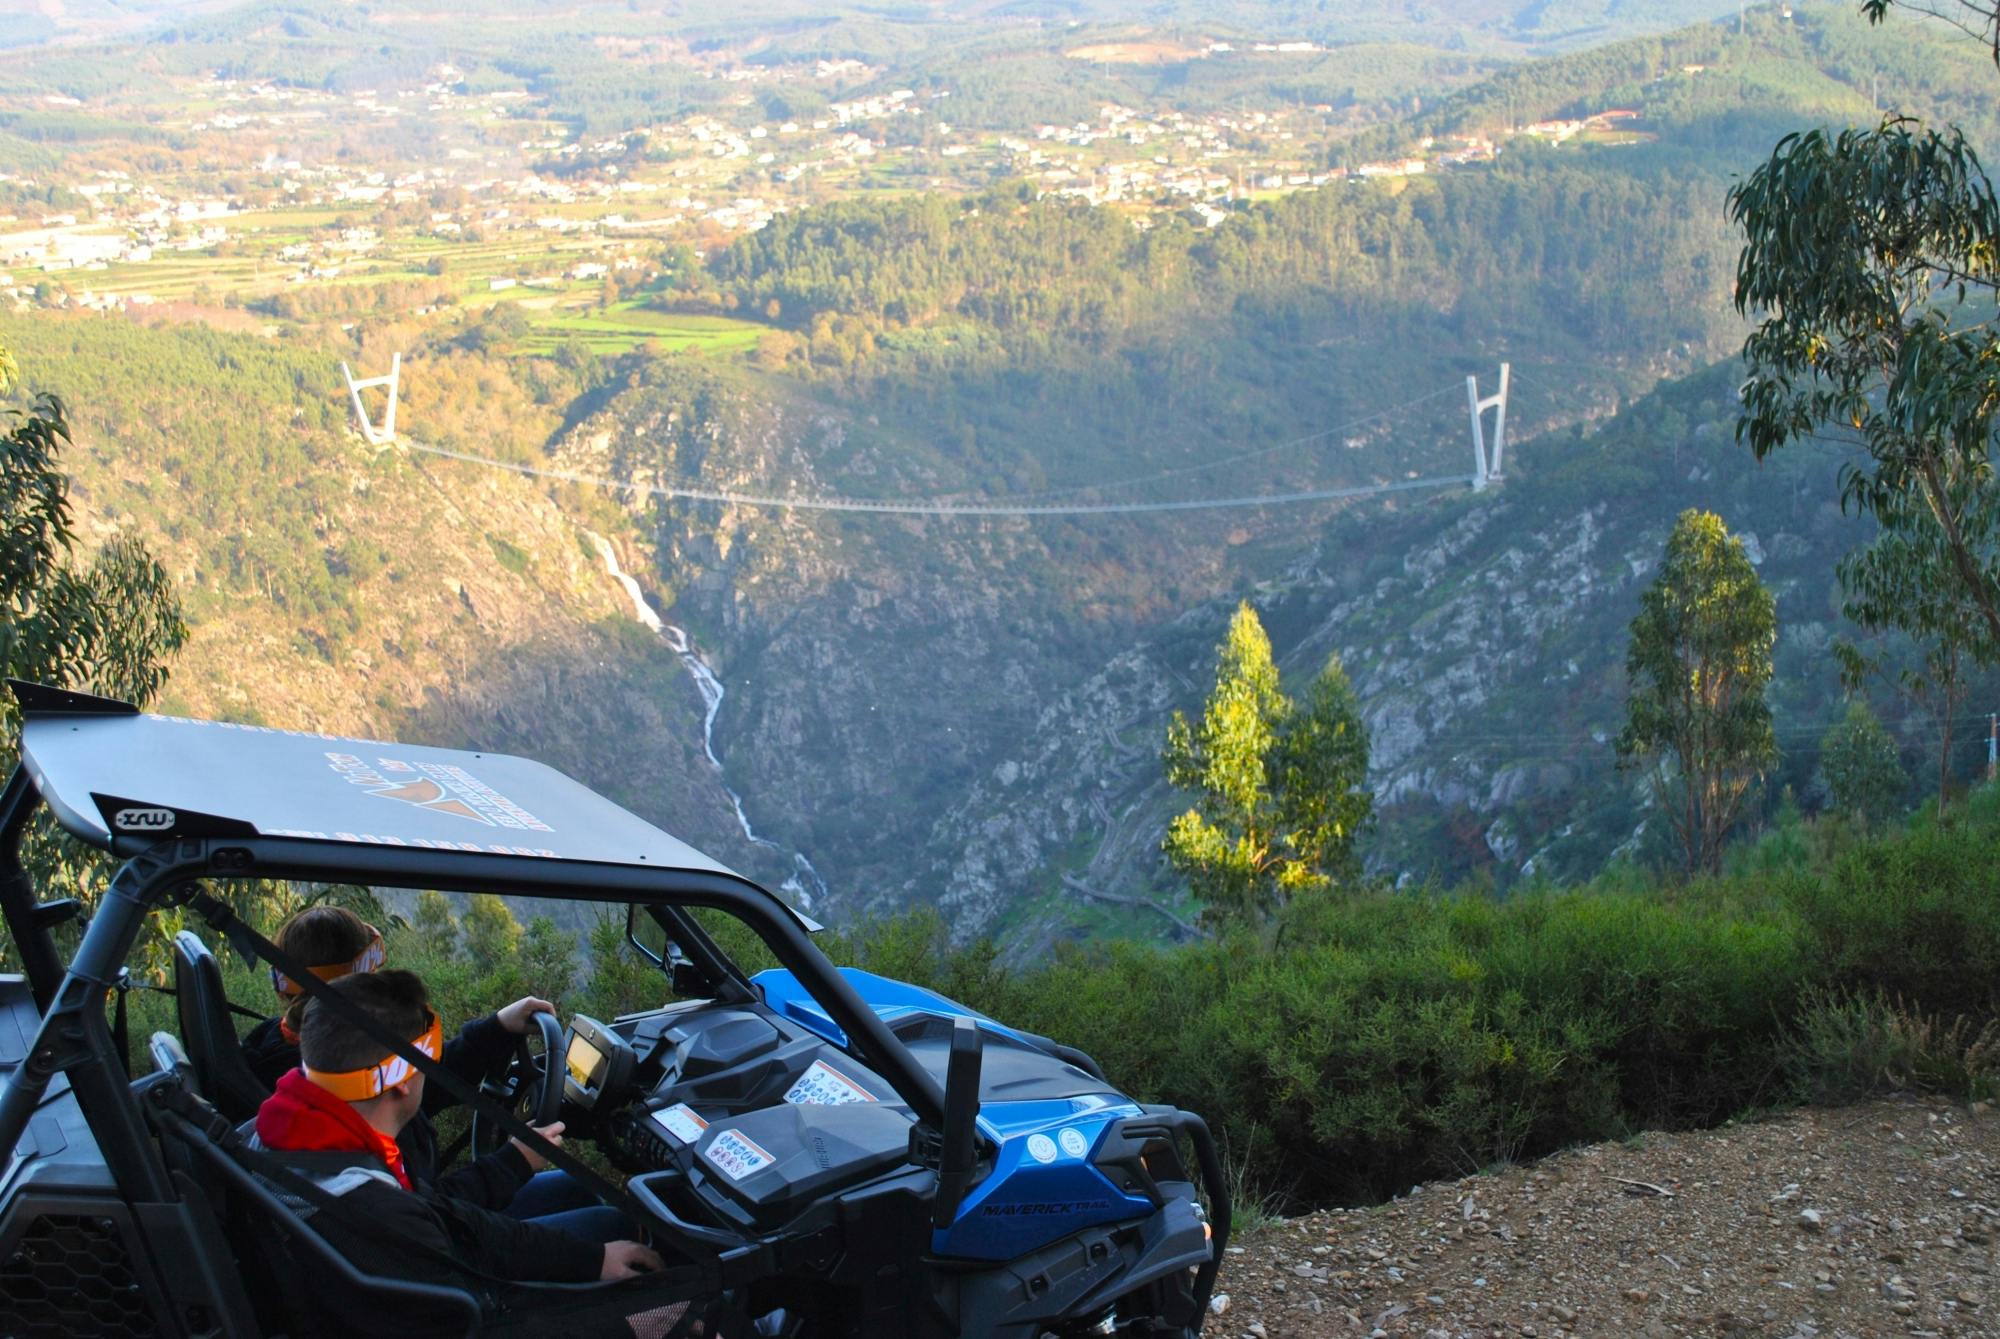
<point x="221" y="1074"/>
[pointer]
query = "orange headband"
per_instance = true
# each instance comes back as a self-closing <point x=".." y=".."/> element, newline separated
<point x="369" y="959"/>
<point x="393" y="1071"/>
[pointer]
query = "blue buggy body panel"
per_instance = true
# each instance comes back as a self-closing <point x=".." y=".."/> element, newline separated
<point x="803" y="1132"/>
<point x="890" y="999"/>
<point x="1043" y="1185"/>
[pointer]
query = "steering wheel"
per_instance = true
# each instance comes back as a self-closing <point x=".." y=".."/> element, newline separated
<point x="532" y="1087"/>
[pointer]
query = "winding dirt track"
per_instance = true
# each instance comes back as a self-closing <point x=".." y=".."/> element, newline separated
<point x="1878" y="1219"/>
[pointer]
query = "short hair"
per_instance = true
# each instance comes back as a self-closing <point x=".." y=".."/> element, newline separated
<point x="396" y="999"/>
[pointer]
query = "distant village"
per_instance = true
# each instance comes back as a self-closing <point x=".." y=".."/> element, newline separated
<point x="701" y="179"/>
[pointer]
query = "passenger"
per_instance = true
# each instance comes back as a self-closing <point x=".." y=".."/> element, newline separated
<point x="336" y="1120"/>
<point x="335" y="943"/>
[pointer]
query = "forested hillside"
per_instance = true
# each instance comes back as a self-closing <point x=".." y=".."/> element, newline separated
<point x="1726" y="85"/>
<point x="1485" y="638"/>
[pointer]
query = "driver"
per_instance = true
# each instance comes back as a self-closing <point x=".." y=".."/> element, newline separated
<point x="337" y="1120"/>
<point x="335" y="943"/>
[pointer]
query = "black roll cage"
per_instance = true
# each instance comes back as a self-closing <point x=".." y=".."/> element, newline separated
<point x="75" y="1038"/>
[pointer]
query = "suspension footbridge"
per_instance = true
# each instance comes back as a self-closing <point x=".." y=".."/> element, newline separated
<point x="1486" y="470"/>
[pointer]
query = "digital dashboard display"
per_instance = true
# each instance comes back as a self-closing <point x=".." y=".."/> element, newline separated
<point x="586" y="1062"/>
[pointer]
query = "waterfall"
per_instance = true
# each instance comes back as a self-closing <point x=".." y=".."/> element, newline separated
<point x="805" y="884"/>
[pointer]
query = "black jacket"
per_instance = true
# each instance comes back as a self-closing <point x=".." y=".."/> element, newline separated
<point x="407" y="1234"/>
<point x="481" y="1049"/>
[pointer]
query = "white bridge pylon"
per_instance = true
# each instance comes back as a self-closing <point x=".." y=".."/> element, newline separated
<point x="387" y="432"/>
<point x="1485" y="471"/>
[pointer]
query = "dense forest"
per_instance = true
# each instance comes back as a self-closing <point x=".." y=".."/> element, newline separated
<point x="1534" y="233"/>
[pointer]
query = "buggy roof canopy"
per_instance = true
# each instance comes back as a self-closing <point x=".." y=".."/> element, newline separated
<point x="116" y="777"/>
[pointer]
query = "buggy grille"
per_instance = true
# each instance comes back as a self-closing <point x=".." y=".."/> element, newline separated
<point x="71" y="1275"/>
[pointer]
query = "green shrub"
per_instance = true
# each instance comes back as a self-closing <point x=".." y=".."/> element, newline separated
<point x="511" y="556"/>
<point x="1917" y="916"/>
<point x="1847" y="1046"/>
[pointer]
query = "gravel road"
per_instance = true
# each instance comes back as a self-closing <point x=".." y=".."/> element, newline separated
<point x="1877" y="1219"/>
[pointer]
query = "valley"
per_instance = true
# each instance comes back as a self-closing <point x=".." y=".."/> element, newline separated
<point x="999" y="273"/>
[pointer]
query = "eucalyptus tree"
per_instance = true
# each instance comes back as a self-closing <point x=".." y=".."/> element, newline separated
<point x="1871" y="259"/>
<point x="1697" y="668"/>
<point x="107" y="623"/>
<point x="1902" y="583"/>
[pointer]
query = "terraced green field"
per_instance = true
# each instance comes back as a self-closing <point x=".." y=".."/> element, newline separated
<point x="624" y="326"/>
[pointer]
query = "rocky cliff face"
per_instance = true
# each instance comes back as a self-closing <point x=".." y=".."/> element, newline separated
<point x="938" y="712"/>
<point x="879" y="669"/>
<point x="953" y="712"/>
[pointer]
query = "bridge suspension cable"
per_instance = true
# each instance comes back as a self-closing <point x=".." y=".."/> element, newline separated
<point x="944" y="509"/>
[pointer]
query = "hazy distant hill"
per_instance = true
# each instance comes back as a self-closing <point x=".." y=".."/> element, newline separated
<point x="1535" y="21"/>
<point x="613" y="66"/>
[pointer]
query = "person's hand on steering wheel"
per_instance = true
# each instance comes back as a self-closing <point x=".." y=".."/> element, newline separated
<point x="532" y="1083"/>
<point x="519" y="1016"/>
<point x="536" y="1162"/>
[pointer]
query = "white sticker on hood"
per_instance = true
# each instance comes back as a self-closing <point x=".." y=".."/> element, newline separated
<point x="824" y="1086"/>
<point x="680" y="1121"/>
<point x="736" y="1155"/>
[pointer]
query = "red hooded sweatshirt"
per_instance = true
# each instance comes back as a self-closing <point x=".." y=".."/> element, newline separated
<point x="302" y="1117"/>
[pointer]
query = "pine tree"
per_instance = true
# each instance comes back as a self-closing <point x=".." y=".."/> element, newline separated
<point x="1861" y="766"/>
<point x="1698" y="665"/>
<point x="1281" y="792"/>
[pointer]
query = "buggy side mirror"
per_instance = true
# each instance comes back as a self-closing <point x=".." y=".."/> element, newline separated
<point x="645" y="933"/>
<point x="958" y="1159"/>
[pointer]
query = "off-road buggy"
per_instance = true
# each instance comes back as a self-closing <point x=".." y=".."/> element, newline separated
<point x="855" y="1155"/>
